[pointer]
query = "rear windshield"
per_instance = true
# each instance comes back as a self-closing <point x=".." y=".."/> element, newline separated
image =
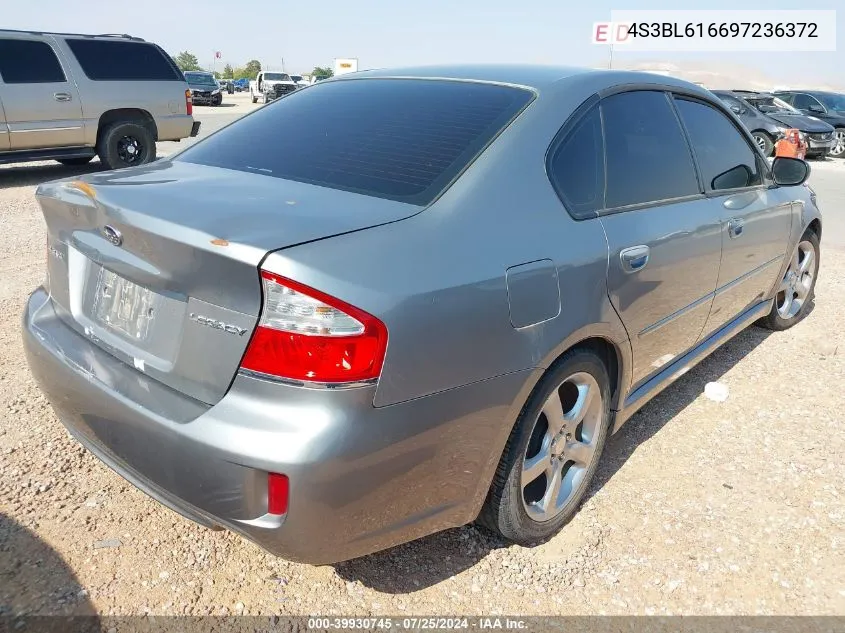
<point x="104" y="60"/>
<point x="401" y="139"/>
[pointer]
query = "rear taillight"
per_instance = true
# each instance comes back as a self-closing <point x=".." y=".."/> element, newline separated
<point x="306" y="335"/>
<point x="189" y="104"/>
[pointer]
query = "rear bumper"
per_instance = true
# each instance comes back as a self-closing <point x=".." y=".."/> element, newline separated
<point x="361" y="478"/>
<point x="174" y="127"/>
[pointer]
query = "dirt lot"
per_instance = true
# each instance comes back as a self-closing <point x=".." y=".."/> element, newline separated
<point x="699" y="507"/>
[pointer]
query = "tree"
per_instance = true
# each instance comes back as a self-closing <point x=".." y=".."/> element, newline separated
<point x="187" y="61"/>
<point x="252" y="68"/>
<point x="217" y="74"/>
<point x="322" y="71"/>
<point x="228" y="73"/>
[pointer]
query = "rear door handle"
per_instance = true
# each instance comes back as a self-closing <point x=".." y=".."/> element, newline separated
<point x="735" y="227"/>
<point x="634" y="258"/>
<point x="61" y="96"/>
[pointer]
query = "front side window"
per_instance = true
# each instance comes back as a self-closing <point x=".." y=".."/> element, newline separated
<point x="29" y="62"/>
<point x="648" y="158"/>
<point x="107" y="60"/>
<point x="725" y="157"/>
<point x="833" y="101"/>
<point x="803" y="102"/>
<point x="576" y="168"/>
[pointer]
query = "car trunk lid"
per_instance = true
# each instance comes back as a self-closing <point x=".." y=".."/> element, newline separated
<point x="159" y="265"/>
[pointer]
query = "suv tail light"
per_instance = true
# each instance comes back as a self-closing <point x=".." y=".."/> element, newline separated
<point x="189" y="104"/>
<point x="306" y="335"/>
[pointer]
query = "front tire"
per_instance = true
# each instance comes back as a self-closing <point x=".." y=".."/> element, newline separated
<point x="126" y="144"/>
<point x="764" y="142"/>
<point x="218" y="100"/>
<point x="838" y="149"/>
<point x="552" y="452"/>
<point x="253" y="97"/>
<point x="798" y="286"/>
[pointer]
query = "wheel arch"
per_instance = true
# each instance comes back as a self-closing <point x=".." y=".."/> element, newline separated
<point x="121" y="115"/>
<point x="816" y="227"/>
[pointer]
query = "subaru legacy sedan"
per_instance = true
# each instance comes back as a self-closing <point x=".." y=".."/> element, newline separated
<point x="402" y="301"/>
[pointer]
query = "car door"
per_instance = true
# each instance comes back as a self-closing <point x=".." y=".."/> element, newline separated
<point x="663" y="233"/>
<point x="41" y="102"/>
<point x="4" y="129"/>
<point x="755" y="219"/>
<point x="808" y="104"/>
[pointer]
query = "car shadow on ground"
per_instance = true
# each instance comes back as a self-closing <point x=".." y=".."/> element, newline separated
<point x="23" y="175"/>
<point x="38" y="590"/>
<point x="212" y="108"/>
<point x="431" y="560"/>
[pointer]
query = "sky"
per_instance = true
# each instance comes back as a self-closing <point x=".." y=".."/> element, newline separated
<point x="406" y="32"/>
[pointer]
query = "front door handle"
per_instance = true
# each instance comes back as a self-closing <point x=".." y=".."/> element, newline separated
<point x="634" y="258"/>
<point x="735" y="228"/>
<point x="61" y="96"/>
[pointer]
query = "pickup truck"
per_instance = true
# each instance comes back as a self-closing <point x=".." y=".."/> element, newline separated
<point x="270" y="85"/>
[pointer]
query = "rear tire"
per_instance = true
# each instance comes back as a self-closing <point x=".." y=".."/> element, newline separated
<point x="126" y="144"/>
<point x="764" y="142"/>
<point x="75" y="162"/>
<point x="797" y="289"/>
<point x="552" y="452"/>
<point x="253" y="97"/>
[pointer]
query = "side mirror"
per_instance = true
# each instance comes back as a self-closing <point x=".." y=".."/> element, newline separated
<point x="815" y="107"/>
<point x="789" y="172"/>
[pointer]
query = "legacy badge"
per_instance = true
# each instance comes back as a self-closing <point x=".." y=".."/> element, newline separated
<point x="217" y="325"/>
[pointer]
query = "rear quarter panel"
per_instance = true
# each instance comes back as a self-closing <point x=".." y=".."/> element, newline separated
<point x="438" y="279"/>
<point x="163" y="100"/>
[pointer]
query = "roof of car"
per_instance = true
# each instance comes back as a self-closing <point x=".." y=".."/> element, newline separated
<point x="527" y="75"/>
<point x="122" y="36"/>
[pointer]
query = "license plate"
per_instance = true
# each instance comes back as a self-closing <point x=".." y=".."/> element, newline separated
<point x="124" y="306"/>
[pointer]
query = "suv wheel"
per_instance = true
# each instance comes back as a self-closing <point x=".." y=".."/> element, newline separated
<point x="126" y="144"/>
<point x="218" y="100"/>
<point x="254" y="98"/>
<point x="798" y="286"/>
<point x="552" y="453"/>
<point x="838" y="149"/>
<point x="764" y="142"/>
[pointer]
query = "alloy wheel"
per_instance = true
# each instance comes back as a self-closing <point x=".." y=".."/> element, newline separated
<point x="838" y="148"/>
<point x="761" y="142"/>
<point x="562" y="447"/>
<point x="130" y="151"/>
<point x="797" y="282"/>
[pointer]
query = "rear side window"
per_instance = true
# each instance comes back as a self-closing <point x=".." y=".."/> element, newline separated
<point x="29" y="62"/>
<point x="401" y="139"/>
<point x="104" y="60"/>
<point x="648" y="158"/>
<point x="577" y="167"/>
<point x="725" y="158"/>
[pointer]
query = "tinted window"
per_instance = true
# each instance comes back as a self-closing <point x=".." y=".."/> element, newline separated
<point x="402" y="139"/>
<point x="104" y="60"/>
<point x="29" y="62"/>
<point x="802" y="101"/>
<point x="648" y="158"/>
<point x="789" y="98"/>
<point x="577" y="167"/>
<point x="724" y="156"/>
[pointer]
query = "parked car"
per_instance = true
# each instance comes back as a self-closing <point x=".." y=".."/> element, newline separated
<point x="305" y="369"/>
<point x="299" y="81"/>
<point x="226" y="85"/>
<point x="241" y="85"/>
<point x="765" y="130"/>
<point x="204" y="88"/>
<point x="827" y="106"/>
<point x="270" y="85"/>
<point x="819" y="136"/>
<point x="70" y="97"/>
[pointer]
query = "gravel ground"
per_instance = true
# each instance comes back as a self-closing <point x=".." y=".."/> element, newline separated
<point x="699" y="507"/>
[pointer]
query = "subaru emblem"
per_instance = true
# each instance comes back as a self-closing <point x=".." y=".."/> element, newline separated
<point x="112" y="235"/>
